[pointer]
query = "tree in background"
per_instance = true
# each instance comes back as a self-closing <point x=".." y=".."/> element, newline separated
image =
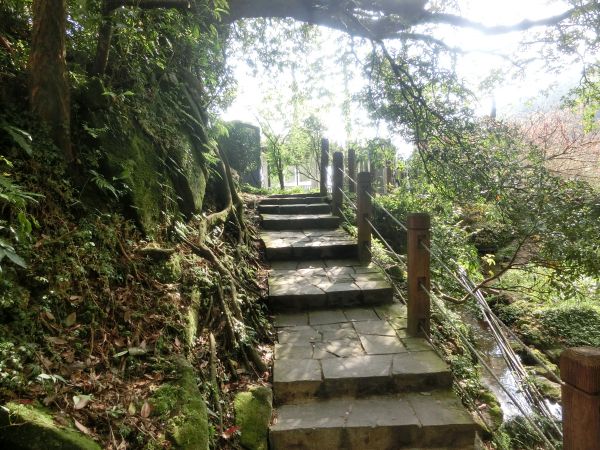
<point x="241" y="145"/>
<point x="49" y="95"/>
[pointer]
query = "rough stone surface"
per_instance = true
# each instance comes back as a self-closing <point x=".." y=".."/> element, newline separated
<point x="308" y="244"/>
<point x="350" y="356"/>
<point x="323" y="284"/>
<point x="299" y="221"/>
<point x="346" y="375"/>
<point x="391" y="422"/>
<point x="298" y="208"/>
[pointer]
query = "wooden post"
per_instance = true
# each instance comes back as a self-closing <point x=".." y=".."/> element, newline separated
<point x="338" y="184"/>
<point x="352" y="169"/>
<point x="324" y="164"/>
<point x="580" y="371"/>
<point x="364" y="212"/>
<point x="418" y="308"/>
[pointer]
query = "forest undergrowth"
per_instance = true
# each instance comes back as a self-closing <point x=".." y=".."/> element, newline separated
<point x="91" y="326"/>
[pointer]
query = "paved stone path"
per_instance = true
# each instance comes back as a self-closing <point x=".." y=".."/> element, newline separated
<point x="346" y="375"/>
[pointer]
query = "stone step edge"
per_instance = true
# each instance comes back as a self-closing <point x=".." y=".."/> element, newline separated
<point x="411" y="420"/>
<point x="346" y="250"/>
<point x="377" y="374"/>
<point x="282" y="222"/>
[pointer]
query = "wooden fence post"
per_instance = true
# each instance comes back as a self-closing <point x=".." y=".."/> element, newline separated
<point x="338" y="184"/>
<point x="364" y="213"/>
<point x="419" y="309"/>
<point x="352" y="170"/>
<point x="324" y="164"/>
<point x="580" y="371"/>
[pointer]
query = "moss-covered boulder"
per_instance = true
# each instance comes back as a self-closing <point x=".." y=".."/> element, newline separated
<point x="183" y="409"/>
<point x="253" y="411"/>
<point x="162" y="179"/>
<point x="31" y="427"/>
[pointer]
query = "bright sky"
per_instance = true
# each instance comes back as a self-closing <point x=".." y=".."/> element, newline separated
<point x="510" y="97"/>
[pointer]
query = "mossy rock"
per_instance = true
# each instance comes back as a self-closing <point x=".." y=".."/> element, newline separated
<point x="182" y="406"/>
<point x="30" y="427"/>
<point x="157" y="187"/>
<point x="549" y="389"/>
<point x="253" y="411"/>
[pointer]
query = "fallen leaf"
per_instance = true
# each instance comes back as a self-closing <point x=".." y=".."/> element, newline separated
<point x="177" y="342"/>
<point x="56" y="340"/>
<point x="82" y="427"/>
<point x="229" y="432"/>
<point x="146" y="410"/>
<point x="131" y="409"/>
<point x="71" y="319"/>
<point x="49" y="315"/>
<point x="80" y="401"/>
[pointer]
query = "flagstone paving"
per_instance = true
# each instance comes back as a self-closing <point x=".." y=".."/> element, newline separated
<point x="308" y="244"/>
<point x="346" y="375"/>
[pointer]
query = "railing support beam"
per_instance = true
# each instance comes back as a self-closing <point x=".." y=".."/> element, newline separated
<point x="323" y="168"/>
<point x="419" y="278"/>
<point x="352" y="170"/>
<point x="580" y="371"/>
<point x="338" y="184"/>
<point x="364" y="213"/>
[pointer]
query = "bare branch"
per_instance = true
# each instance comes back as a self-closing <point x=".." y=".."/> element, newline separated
<point x="451" y="19"/>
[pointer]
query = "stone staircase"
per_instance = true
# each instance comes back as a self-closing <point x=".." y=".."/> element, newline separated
<point x="346" y="375"/>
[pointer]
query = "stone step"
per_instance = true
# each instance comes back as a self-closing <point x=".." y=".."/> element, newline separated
<point x="299" y="221"/>
<point x="412" y="420"/>
<point x="308" y="245"/>
<point x="351" y="352"/>
<point x="293" y="200"/>
<point x="302" y="208"/>
<point x="300" y="195"/>
<point x="295" y="286"/>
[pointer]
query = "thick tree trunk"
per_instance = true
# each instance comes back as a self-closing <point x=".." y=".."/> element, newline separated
<point x="103" y="46"/>
<point x="49" y="87"/>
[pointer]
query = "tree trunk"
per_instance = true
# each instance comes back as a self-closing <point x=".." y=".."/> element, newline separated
<point x="105" y="33"/>
<point x="49" y="87"/>
<point x="280" y="176"/>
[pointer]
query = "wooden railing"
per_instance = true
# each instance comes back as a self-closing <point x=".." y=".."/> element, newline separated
<point x="579" y="367"/>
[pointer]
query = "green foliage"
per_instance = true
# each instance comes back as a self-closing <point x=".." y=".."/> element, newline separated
<point x="242" y="148"/>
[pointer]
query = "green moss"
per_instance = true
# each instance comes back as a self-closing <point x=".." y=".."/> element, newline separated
<point x="253" y="414"/>
<point x="135" y="160"/>
<point x="32" y="427"/>
<point x="184" y="409"/>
